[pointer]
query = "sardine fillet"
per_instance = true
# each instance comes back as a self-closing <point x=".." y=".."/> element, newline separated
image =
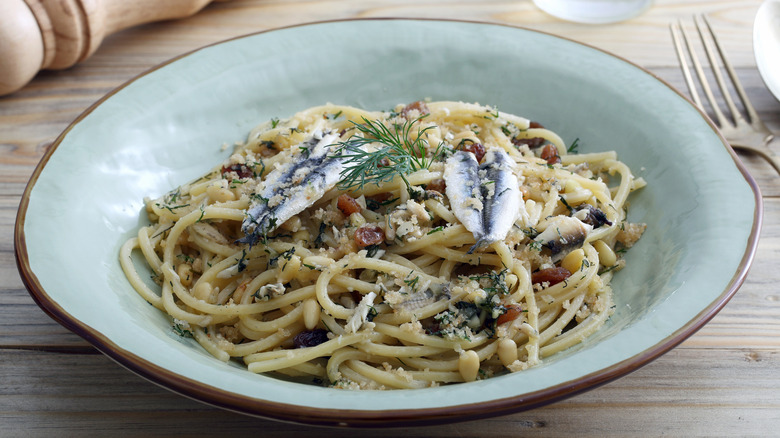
<point x="292" y="187"/>
<point x="485" y="198"/>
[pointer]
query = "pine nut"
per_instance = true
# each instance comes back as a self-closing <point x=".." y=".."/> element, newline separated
<point x="202" y="290"/>
<point x="573" y="260"/>
<point x="468" y="365"/>
<point x="311" y="313"/>
<point x="185" y="274"/>
<point x="507" y="351"/>
<point x="607" y="256"/>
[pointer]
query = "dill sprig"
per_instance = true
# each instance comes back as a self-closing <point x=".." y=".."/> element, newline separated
<point x="574" y="147"/>
<point x="399" y="154"/>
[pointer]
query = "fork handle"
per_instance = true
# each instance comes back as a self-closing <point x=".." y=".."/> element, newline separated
<point x="56" y="34"/>
<point x="764" y="153"/>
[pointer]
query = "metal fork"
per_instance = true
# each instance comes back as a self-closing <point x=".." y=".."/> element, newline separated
<point x="745" y="133"/>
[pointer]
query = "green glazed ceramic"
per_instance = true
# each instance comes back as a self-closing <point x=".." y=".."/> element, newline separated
<point x="168" y="126"/>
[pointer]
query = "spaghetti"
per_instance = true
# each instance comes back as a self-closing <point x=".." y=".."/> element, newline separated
<point x="435" y="243"/>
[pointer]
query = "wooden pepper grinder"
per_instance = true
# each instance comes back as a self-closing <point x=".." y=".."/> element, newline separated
<point x="56" y="34"/>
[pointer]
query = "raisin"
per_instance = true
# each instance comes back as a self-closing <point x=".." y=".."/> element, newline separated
<point x="511" y="314"/>
<point x="241" y="170"/>
<point x="532" y="143"/>
<point x="419" y="105"/>
<point x="475" y="148"/>
<point x="550" y="154"/>
<point x="310" y="338"/>
<point x="348" y="205"/>
<point x="437" y="185"/>
<point x="368" y="235"/>
<point x="550" y="276"/>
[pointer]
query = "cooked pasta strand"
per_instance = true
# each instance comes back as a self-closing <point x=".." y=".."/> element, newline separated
<point x="403" y="249"/>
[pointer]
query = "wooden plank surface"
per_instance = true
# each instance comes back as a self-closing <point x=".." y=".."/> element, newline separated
<point x="689" y="392"/>
<point x="723" y="381"/>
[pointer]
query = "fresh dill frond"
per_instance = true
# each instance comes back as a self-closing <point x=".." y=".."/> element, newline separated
<point x="574" y="147"/>
<point x="398" y="154"/>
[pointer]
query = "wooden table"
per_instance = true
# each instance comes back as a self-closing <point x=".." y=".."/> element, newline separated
<point x="725" y="380"/>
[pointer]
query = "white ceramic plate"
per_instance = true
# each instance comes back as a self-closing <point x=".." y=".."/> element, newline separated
<point x="167" y="126"/>
<point x="766" y="44"/>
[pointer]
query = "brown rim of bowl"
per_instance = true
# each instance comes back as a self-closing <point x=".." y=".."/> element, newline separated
<point x="380" y="418"/>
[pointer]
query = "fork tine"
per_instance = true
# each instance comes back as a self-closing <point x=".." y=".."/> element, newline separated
<point x="751" y="112"/>
<point x="735" y="114"/>
<point x="684" y="65"/>
<point x="721" y="118"/>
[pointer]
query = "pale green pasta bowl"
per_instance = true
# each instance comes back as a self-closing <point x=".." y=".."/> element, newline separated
<point x="168" y="126"/>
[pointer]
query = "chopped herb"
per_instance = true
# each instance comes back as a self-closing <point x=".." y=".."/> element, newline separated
<point x="254" y="168"/>
<point x="333" y="116"/>
<point x="287" y="255"/>
<point x="492" y="114"/>
<point x="572" y="149"/>
<point x="162" y="232"/>
<point x="242" y="261"/>
<point x="611" y="268"/>
<point x="180" y="330"/>
<point x="258" y="197"/>
<point x="372" y="312"/>
<point x="233" y="183"/>
<point x="531" y="232"/>
<point x="171" y="197"/>
<point x="170" y="207"/>
<point x="566" y="204"/>
<point x="318" y="240"/>
<point x="186" y="258"/>
<point x="268" y="144"/>
<point x="412" y="283"/>
<point x="372" y="250"/>
<point x="496" y="282"/>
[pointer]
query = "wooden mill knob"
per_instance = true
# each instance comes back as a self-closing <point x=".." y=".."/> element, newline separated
<point x="56" y="34"/>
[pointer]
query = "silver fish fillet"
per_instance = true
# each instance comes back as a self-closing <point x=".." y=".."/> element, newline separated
<point x="562" y="235"/>
<point x="502" y="197"/>
<point x="461" y="174"/>
<point x="485" y="198"/>
<point x="292" y="187"/>
<point x="425" y="297"/>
